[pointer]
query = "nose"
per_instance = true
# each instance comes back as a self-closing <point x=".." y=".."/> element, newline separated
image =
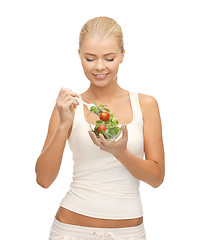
<point x="99" y="65"/>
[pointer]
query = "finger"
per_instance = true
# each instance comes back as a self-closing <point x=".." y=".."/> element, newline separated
<point x="72" y="93"/>
<point x="63" y="92"/>
<point x="72" y="102"/>
<point x="94" y="138"/>
<point x="125" y="132"/>
<point x="104" y="141"/>
<point x="68" y="91"/>
<point x="69" y="103"/>
<point x="66" y="98"/>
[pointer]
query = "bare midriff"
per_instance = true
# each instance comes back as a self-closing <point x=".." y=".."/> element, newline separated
<point x="66" y="216"/>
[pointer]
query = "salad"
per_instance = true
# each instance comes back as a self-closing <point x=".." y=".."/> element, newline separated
<point x="107" y="124"/>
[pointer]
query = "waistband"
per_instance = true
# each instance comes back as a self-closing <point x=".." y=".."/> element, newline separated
<point x="95" y="232"/>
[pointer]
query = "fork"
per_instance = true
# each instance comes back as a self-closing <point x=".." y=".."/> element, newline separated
<point x="89" y="105"/>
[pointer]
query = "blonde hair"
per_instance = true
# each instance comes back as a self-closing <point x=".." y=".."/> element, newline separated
<point x="102" y="27"/>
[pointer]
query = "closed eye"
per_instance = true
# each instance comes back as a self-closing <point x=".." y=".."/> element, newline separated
<point x="89" y="60"/>
<point x="110" y="59"/>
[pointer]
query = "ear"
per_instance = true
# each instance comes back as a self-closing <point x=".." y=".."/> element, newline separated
<point x="122" y="56"/>
<point x="79" y="51"/>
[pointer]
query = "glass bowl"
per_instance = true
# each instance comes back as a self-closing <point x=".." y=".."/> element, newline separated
<point x="107" y="135"/>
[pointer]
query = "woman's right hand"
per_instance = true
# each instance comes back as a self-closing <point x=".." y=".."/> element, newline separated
<point x="66" y="105"/>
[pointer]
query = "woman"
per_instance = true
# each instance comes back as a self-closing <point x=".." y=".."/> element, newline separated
<point x="104" y="196"/>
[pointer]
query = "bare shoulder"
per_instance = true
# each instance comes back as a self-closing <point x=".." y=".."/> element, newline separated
<point x="146" y="98"/>
<point x="147" y="104"/>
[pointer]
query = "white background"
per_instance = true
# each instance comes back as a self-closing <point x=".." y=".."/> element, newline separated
<point x="165" y="57"/>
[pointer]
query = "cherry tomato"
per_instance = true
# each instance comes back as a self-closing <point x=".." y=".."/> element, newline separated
<point x="101" y="127"/>
<point x="104" y="116"/>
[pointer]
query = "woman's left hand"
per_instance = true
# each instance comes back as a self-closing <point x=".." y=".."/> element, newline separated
<point x="115" y="147"/>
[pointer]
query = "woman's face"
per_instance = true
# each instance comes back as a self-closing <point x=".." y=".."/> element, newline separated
<point x="100" y="59"/>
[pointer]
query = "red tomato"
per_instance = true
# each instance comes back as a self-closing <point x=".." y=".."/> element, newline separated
<point x="104" y="116"/>
<point x="101" y="127"/>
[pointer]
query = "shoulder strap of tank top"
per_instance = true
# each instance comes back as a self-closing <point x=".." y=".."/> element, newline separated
<point x="78" y="112"/>
<point x="80" y="96"/>
<point x="136" y="106"/>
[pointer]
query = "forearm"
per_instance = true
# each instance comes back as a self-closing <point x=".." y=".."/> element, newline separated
<point x="49" y="162"/>
<point x="144" y="170"/>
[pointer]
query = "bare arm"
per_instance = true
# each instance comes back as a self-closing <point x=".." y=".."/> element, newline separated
<point x="49" y="162"/>
<point x="152" y="169"/>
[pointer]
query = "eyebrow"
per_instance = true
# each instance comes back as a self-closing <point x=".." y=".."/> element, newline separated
<point x="103" y="55"/>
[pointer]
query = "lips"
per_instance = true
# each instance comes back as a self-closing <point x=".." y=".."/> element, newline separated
<point x="100" y="76"/>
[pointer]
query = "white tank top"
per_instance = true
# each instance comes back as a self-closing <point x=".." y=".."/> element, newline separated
<point x="102" y="187"/>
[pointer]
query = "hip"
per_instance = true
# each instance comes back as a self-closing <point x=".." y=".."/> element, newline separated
<point x="62" y="231"/>
<point x="69" y="217"/>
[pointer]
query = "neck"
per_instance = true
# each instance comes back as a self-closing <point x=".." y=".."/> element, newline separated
<point x="107" y="92"/>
